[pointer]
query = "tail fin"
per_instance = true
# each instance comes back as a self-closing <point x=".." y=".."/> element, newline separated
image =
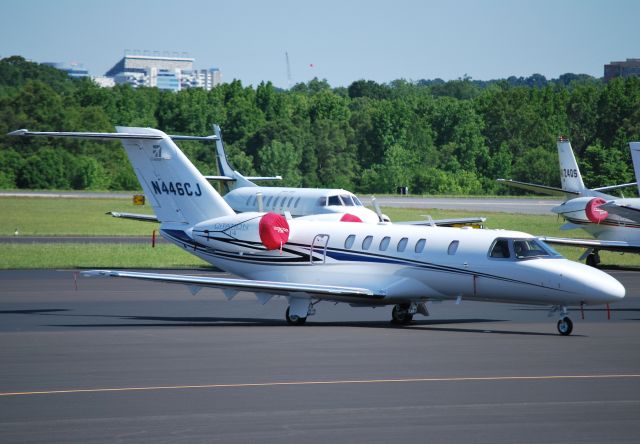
<point x="223" y="165"/>
<point x="635" y="158"/>
<point x="569" y="171"/>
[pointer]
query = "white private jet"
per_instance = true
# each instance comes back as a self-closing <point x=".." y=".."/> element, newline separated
<point x="613" y="222"/>
<point x="365" y="265"/>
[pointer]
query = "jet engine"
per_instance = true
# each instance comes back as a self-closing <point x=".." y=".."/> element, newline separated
<point x="593" y="211"/>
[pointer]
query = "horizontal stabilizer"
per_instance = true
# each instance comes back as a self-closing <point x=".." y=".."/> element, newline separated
<point x="134" y="216"/>
<point x="553" y="191"/>
<point x="81" y="135"/>
<point x="233" y="179"/>
<point x="615" y="187"/>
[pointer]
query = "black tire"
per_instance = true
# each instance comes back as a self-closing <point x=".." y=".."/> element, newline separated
<point x="591" y="260"/>
<point x="294" y="320"/>
<point x="400" y="315"/>
<point x="565" y="326"/>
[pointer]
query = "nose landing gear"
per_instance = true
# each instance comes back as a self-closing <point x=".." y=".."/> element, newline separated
<point x="565" y="326"/>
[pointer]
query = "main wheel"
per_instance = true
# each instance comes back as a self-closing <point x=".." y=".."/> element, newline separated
<point x="565" y="326"/>
<point x="400" y="314"/>
<point x="293" y="319"/>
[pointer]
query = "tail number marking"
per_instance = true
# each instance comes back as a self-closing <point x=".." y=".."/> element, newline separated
<point x="569" y="172"/>
<point x="176" y="188"/>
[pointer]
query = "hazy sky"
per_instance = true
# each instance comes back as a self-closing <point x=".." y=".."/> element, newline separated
<point x="341" y="41"/>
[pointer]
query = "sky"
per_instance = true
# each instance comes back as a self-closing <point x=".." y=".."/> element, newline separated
<point x="340" y="41"/>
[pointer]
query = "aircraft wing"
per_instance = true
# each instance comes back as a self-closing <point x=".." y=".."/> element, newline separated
<point x="608" y="245"/>
<point x="553" y="191"/>
<point x="459" y="222"/>
<point x="626" y="211"/>
<point x="134" y="216"/>
<point x="262" y="288"/>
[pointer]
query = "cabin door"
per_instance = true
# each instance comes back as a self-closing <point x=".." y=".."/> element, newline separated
<point x="318" y="253"/>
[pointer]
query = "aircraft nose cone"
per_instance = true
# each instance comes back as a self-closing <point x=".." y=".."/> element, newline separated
<point x="605" y="287"/>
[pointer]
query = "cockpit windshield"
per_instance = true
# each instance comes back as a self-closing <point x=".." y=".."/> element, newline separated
<point x="520" y="249"/>
<point x="342" y="200"/>
<point x="347" y="200"/>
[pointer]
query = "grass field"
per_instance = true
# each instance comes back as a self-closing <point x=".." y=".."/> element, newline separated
<point x="86" y="217"/>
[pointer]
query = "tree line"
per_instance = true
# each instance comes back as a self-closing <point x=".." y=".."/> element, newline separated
<point x="432" y="136"/>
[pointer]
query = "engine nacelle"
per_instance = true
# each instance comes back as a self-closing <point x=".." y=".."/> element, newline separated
<point x="231" y="232"/>
<point x="583" y="208"/>
<point x="593" y="211"/>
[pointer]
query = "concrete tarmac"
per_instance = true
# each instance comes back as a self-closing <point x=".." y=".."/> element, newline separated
<point x="118" y="360"/>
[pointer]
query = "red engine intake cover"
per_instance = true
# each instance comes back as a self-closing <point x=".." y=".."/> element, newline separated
<point x="350" y="218"/>
<point x="274" y="231"/>
<point x="593" y="211"/>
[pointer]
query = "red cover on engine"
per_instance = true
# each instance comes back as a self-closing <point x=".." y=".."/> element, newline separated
<point x="350" y="218"/>
<point x="274" y="231"/>
<point x="593" y="211"/>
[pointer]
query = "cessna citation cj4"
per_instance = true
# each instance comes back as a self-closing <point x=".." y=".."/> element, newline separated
<point x="364" y="265"/>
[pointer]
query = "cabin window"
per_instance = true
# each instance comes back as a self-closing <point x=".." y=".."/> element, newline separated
<point x="402" y="244"/>
<point x="384" y="243"/>
<point x="249" y="201"/>
<point x="453" y="247"/>
<point x="500" y="249"/>
<point x="290" y="201"/>
<point x="348" y="243"/>
<point x="297" y="202"/>
<point x="366" y="242"/>
<point x="420" y="245"/>
<point x="334" y="200"/>
<point x="275" y="202"/>
<point x="347" y="200"/>
<point x="357" y="201"/>
<point x="268" y="202"/>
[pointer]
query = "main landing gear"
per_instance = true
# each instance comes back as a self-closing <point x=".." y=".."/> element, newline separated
<point x="298" y="311"/>
<point x="593" y="259"/>
<point x="402" y="314"/>
<point x="293" y="319"/>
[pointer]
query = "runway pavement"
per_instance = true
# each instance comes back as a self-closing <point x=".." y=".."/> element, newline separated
<point x="130" y="361"/>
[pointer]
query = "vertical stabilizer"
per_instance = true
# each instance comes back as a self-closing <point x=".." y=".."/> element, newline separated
<point x="635" y="158"/>
<point x="569" y="171"/>
<point x="173" y="185"/>
<point x="223" y="165"/>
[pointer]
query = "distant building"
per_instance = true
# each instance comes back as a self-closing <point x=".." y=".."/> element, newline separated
<point x="73" y="69"/>
<point x="163" y="72"/>
<point x="631" y="67"/>
<point x="104" y="82"/>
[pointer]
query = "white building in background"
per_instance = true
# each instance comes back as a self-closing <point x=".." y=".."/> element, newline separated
<point x="164" y="72"/>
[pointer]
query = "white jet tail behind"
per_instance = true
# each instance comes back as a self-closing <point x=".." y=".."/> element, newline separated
<point x="569" y="171"/>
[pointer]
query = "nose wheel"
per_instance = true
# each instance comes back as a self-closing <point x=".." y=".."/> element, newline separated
<point x="565" y="326"/>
